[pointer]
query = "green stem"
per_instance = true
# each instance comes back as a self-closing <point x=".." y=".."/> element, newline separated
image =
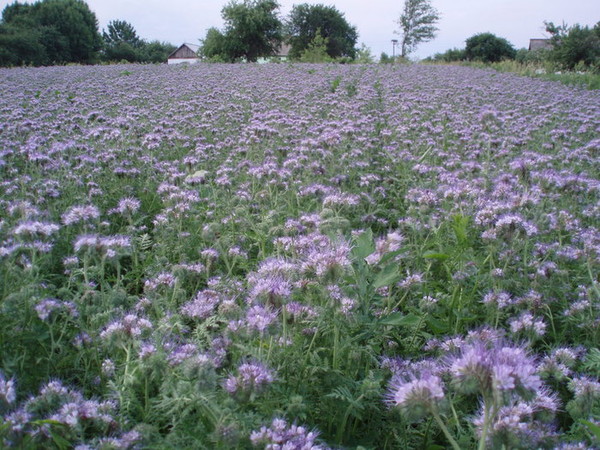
<point x="414" y="335"/>
<point x="484" y="430"/>
<point x="592" y="279"/>
<point x="440" y="422"/>
<point x="397" y="305"/>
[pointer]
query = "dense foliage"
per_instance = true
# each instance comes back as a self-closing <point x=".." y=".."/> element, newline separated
<point x="121" y="43"/>
<point x="417" y="24"/>
<point x="291" y="256"/>
<point x="66" y="31"/>
<point x="487" y="47"/>
<point x="576" y="46"/>
<point x="306" y="21"/>
<point x="48" y="32"/>
<point x="575" y="49"/>
<point x="252" y="30"/>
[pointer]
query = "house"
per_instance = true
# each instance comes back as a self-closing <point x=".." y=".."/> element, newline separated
<point x="281" y="54"/>
<point x="540" y="44"/>
<point x="186" y="53"/>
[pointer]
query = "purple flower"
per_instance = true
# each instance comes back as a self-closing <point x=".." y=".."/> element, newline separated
<point x="127" y="206"/>
<point x="8" y="393"/>
<point x="280" y="435"/>
<point x="80" y="213"/>
<point x="391" y="243"/>
<point x="130" y="326"/>
<point x="412" y="279"/>
<point x="210" y="254"/>
<point x="165" y="279"/>
<point x="49" y="305"/>
<point x="202" y="306"/>
<point x="518" y="425"/>
<point x="251" y="378"/>
<point x="416" y="393"/>
<point x="498" y="299"/>
<point x="488" y="367"/>
<point x="271" y="287"/>
<point x="107" y="245"/>
<point x="259" y="318"/>
<point x="328" y="259"/>
<point x="341" y="200"/>
<point x="584" y="386"/>
<point x="527" y="323"/>
<point x="35" y="229"/>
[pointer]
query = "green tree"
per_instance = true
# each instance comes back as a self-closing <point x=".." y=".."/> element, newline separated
<point x="66" y="30"/>
<point x="19" y="46"/>
<point x="364" y="55"/>
<point x="316" y="51"/>
<point x="155" y="51"/>
<point x="575" y="45"/>
<point x="450" y="55"/>
<point x="417" y="24"/>
<point x="122" y="51"/>
<point x="304" y="22"/>
<point x="121" y="31"/>
<point x="384" y="58"/>
<point x="252" y="29"/>
<point x="121" y="42"/>
<point x="213" y="46"/>
<point x="75" y="24"/>
<point x="487" y="47"/>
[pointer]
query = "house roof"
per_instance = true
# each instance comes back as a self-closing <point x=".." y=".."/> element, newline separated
<point x="283" y="50"/>
<point x="193" y="47"/>
<point x="537" y="44"/>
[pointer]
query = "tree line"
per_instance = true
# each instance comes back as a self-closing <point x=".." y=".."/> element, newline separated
<point x="314" y="33"/>
<point x="570" y="48"/>
<point x="66" y="31"/>
<point x="253" y="29"/>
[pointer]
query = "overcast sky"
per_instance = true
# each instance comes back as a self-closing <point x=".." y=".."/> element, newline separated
<point x="179" y="21"/>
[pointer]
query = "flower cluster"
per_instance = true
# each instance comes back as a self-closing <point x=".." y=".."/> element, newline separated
<point x="49" y="305"/>
<point x="251" y="379"/>
<point x="280" y="435"/>
<point x="34" y="419"/>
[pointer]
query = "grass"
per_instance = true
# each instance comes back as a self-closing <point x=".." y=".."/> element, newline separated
<point x="584" y="79"/>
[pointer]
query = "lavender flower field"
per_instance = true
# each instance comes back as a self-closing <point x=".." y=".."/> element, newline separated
<point x="298" y="257"/>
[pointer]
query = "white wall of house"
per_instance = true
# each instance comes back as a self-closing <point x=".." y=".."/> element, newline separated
<point x="183" y="60"/>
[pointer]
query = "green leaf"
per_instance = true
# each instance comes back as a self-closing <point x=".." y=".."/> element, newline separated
<point x="592" y="362"/>
<point x="592" y="427"/>
<point x="390" y="274"/>
<point x="436" y="255"/>
<point x="400" y="320"/>
<point x="48" y="422"/>
<point x="61" y="442"/>
<point x="390" y="255"/>
<point x="460" y="225"/>
<point x="364" y="245"/>
<point x="436" y="325"/>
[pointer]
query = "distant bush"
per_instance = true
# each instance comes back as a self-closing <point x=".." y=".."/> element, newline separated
<point x="364" y="55"/>
<point x="538" y="56"/>
<point x="451" y="55"/>
<point x="575" y="45"/>
<point x="487" y="47"/>
<point x="387" y="59"/>
<point x="316" y="52"/>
